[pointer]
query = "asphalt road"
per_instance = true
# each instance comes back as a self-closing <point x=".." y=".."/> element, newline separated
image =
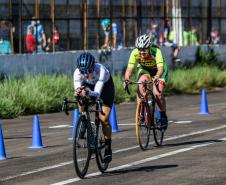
<point x="194" y="150"/>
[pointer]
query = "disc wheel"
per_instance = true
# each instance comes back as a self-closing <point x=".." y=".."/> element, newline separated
<point x="142" y="125"/>
<point x="82" y="152"/>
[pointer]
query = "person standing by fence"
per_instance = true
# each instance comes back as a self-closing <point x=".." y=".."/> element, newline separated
<point x="5" y="37"/>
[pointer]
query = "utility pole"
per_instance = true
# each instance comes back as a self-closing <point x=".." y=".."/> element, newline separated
<point x="177" y="22"/>
<point x="209" y="22"/>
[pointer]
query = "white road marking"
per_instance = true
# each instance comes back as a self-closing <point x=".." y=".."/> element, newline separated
<point x="36" y="170"/>
<point x="183" y="122"/>
<point x="140" y="162"/>
<point x="127" y="124"/>
<point x="117" y="151"/>
<point x="61" y="126"/>
<point x="122" y="124"/>
<point x="133" y="124"/>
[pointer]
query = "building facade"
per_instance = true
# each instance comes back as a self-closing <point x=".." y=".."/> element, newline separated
<point x="79" y="21"/>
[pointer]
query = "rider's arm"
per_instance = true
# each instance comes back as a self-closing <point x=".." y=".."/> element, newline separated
<point x="128" y="73"/>
<point x="77" y="79"/>
<point x="160" y="63"/>
<point x="132" y="63"/>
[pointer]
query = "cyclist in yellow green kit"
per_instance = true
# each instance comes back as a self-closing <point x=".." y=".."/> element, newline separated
<point x="151" y="66"/>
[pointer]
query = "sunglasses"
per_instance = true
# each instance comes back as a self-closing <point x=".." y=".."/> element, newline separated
<point x="86" y="71"/>
<point x="143" y="49"/>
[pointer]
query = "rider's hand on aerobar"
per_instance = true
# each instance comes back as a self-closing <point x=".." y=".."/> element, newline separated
<point x="84" y="93"/>
<point x="81" y="92"/>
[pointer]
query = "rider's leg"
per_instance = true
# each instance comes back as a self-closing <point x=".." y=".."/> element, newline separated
<point x="105" y="122"/>
<point x="107" y="96"/>
<point x="161" y="101"/>
<point x="107" y="133"/>
<point x="143" y="77"/>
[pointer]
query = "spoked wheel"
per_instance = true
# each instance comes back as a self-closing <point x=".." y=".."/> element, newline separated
<point x="142" y="125"/>
<point x="100" y="150"/>
<point x="82" y="152"/>
<point x="158" y="131"/>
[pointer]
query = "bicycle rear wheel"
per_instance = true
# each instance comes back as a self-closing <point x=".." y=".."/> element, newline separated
<point x="82" y="152"/>
<point x="142" y="125"/>
<point x="102" y="166"/>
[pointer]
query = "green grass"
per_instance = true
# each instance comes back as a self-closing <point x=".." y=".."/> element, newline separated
<point x="33" y="94"/>
<point x="42" y="94"/>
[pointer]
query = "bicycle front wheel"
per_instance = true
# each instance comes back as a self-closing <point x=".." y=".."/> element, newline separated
<point x="82" y="152"/>
<point x="102" y="166"/>
<point x="142" y="125"/>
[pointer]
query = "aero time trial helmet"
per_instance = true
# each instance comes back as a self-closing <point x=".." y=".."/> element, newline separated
<point x="85" y="61"/>
<point x="143" y="42"/>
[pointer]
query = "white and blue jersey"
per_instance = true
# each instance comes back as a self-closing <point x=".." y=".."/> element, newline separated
<point x="100" y="76"/>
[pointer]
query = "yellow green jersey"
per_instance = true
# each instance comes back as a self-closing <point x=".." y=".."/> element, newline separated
<point x="150" y="64"/>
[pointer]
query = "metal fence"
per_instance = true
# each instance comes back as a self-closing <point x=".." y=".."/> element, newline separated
<point x="79" y="21"/>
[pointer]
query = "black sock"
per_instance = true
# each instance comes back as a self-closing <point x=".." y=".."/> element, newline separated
<point x="108" y="143"/>
<point x="163" y="114"/>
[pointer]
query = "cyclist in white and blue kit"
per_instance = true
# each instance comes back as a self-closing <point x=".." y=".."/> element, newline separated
<point x="94" y="80"/>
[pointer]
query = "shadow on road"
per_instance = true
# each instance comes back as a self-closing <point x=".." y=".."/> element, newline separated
<point x="18" y="137"/>
<point x="143" y="168"/>
<point x="191" y="142"/>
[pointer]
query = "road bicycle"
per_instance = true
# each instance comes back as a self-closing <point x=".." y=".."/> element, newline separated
<point x="88" y="136"/>
<point x="146" y="115"/>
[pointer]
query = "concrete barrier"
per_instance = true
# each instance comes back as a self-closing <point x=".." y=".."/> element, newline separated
<point x="65" y="62"/>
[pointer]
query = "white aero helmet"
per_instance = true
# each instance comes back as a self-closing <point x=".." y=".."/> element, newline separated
<point x="143" y="42"/>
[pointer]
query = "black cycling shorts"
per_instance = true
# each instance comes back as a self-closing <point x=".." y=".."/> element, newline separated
<point x="108" y="92"/>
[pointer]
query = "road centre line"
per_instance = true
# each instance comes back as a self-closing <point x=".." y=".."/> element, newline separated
<point x="183" y="122"/>
<point x="140" y="161"/>
<point x="61" y="126"/>
<point x="116" y="151"/>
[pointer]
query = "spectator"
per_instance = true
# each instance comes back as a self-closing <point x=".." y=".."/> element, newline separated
<point x="185" y="38"/>
<point x="152" y="32"/>
<point x="106" y="28"/>
<point x="166" y="31"/>
<point x="55" y="41"/>
<point x="5" y="35"/>
<point x="30" y="40"/>
<point x="117" y="41"/>
<point x="193" y="36"/>
<point x="56" y="37"/>
<point x="215" y="39"/>
<point x="169" y="38"/>
<point x="114" y="34"/>
<point x="39" y="33"/>
<point x="49" y="45"/>
<point x="41" y="36"/>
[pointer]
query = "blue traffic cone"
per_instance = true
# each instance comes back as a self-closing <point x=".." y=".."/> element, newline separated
<point x="2" y="146"/>
<point x="75" y="118"/>
<point x="113" y="120"/>
<point x="204" y="104"/>
<point x="36" y="134"/>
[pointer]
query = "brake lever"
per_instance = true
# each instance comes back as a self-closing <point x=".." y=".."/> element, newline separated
<point x="64" y="107"/>
<point x="125" y="86"/>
